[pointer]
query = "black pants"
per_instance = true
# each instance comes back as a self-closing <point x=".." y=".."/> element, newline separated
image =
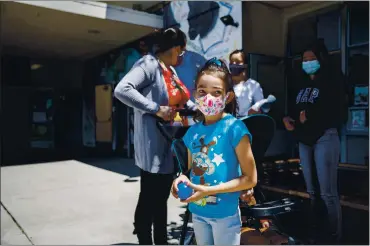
<point x="151" y="208"/>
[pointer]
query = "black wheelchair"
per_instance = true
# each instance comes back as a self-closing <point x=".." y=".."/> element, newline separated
<point x="262" y="128"/>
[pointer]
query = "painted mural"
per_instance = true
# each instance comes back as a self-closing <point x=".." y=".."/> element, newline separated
<point x="213" y="29"/>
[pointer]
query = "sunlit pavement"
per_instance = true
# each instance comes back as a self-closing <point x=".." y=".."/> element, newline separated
<point x="93" y="202"/>
<point x="73" y="202"/>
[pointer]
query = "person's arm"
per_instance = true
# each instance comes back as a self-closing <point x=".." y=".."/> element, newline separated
<point x="248" y="179"/>
<point x="127" y="90"/>
<point x="292" y="91"/>
<point x="256" y="97"/>
<point x="257" y="94"/>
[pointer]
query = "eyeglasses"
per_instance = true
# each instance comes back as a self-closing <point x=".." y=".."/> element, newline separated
<point x="182" y="53"/>
<point x="215" y="61"/>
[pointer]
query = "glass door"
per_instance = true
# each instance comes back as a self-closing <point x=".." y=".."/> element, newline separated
<point x="269" y="71"/>
<point x="42" y="119"/>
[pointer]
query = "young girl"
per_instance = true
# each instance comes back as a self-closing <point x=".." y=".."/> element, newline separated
<point x="220" y="159"/>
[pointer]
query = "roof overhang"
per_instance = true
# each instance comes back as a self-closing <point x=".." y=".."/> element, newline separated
<point x="71" y="29"/>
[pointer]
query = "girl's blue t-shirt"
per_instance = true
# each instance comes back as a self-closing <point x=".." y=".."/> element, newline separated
<point x="214" y="161"/>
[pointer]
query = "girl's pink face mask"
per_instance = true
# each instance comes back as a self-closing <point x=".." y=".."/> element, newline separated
<point x="210" y="105"/>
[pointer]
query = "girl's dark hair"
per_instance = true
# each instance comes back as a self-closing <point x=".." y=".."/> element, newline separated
<point x="235" y="52"/>
<point x="218" y="69"/>
<point x="168" y="38"/>
<point x="318" y="47"/>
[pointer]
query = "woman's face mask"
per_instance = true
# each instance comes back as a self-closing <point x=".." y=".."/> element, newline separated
<point x="236" y="69"/>
<point x="210" y="105"/>
<point x="311" y="67"/>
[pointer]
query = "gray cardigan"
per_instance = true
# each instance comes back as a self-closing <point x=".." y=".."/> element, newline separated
<point x="144" y="90"/>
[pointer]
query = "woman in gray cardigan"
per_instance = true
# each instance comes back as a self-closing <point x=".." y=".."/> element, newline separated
<point x="144" y="89"/>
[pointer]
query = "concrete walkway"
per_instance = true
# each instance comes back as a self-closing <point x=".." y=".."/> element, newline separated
<point x="73" y="202"/>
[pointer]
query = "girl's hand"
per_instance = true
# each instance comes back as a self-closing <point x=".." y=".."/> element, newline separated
<point x="288" y="123"/>
<point x="265" y="224"/>
<point x="200" y="191"/>
<point x="181" y="179"/>
<point x="302" y="117"/>
<point x="246" y="195"/>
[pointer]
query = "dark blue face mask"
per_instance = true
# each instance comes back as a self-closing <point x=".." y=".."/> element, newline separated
<point x="237" y="69"/>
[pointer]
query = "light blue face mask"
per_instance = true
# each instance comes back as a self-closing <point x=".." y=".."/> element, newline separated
<point x="311" y="67"/>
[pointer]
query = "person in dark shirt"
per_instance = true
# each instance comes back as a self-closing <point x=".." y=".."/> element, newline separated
<point x="315" y="118"/>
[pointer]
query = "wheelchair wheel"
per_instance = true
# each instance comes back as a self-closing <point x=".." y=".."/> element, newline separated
<point x="190" y="238"/>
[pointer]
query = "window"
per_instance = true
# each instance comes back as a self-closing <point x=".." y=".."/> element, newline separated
<point x="358" y="66"/>
<point x="358" y="23"/>
<point x="42" y="130"/>
<point x="328" y="28"/>
<point x="358" y="69"/>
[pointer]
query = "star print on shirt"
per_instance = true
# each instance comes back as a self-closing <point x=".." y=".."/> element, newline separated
<point x="218" y="159"/>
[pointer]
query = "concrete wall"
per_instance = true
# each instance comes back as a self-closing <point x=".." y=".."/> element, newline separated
<point x="265" y="28"/>
<point x="262" y="29"/>
<point x="299" y="11"/>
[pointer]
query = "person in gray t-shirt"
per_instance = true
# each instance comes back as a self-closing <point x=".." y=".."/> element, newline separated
<point x="143" y="88"/>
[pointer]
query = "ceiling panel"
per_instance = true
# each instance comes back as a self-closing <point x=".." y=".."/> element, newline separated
<point x="130" y="4"/>
<point x="283" y="4"/>
<point x="50" y="32"/>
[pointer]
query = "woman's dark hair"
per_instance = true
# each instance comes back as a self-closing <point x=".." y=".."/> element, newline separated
<point x="236" y="52"/>
<point x="319" y="49"/>
<point x="218" y="69"/>
<point x="168" y="38"/>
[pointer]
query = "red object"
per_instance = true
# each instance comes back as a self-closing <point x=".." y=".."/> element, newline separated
<point x="178" y="94"/>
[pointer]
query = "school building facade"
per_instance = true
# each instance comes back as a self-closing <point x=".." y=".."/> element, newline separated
<point x="60" y="61"/>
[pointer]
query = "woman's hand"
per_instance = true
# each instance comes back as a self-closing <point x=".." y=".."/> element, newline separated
<point x="288" y="123"/>
<point x="247" y="195"/>
<point x="265" y="224"/>
<point x="200" y="191"/>
<point x="181" y="179"/>
<point x="302" y="116"/>
<point x="166" y="113"/>
<point x="252" y="111"/>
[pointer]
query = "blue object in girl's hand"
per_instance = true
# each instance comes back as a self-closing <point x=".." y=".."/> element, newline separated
<point x="184" y="191"/>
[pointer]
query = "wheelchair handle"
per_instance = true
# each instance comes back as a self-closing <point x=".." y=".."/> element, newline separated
<point x="161" y="122"/>
<point x="160" y="125"/>
<point x="186" y="112"/>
